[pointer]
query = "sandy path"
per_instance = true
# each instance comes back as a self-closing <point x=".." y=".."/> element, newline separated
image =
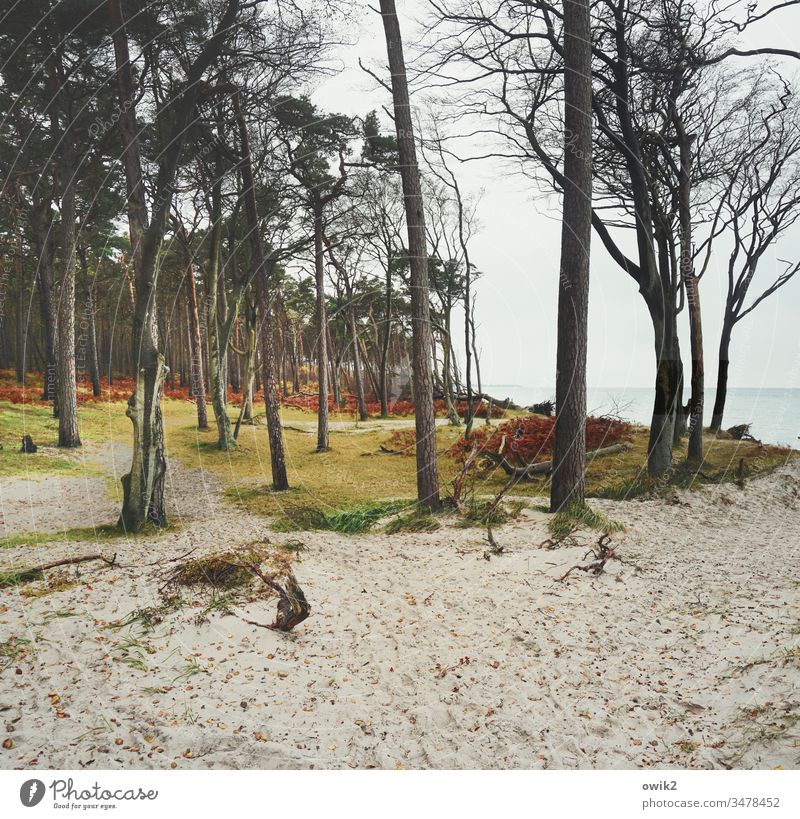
<point x="420" y="653"/>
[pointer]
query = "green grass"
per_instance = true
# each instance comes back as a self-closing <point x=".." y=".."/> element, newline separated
<point x="353" y="520"/>
<point x="16" y="577"/>
<point x="106" y="533"/>
<point x="419" y="520"/>
<point x="579" y="515"/>
<point x="479" y="512"/>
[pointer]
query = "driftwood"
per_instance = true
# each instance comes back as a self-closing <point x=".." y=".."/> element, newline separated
<point x="293" y="607"/>
<point x="545" y="467"/>
<point x="544" y="408"/>
<point x="741" y="432"/>
<point x="505" y="403"/>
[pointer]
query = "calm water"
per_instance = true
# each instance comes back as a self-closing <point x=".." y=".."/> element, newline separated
<point x="774" y="413"/>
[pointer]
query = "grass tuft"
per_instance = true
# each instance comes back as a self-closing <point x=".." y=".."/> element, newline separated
<point x="352" y="521"/>
<point x="579" y="515"/>
<point x="417" y="520"/>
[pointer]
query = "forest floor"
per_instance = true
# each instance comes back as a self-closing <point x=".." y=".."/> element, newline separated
<point x="422" y="650"/>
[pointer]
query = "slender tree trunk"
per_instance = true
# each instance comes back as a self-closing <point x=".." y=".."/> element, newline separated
<point x="218" y="333"/>
<point x="387" y="340"/>
<point x="261" y="276"/>
<point x="42" y="224"/>
<point x="91" y="330"/>
<point x="67" y="388"/>
<point x="447" y="372"/>
<point x="695" y="453"/>
<point x="361" y="401"/>
<point x="425" y="418"/>
<point x="692" y="285"/>
<point x="249" y="366"/>
<point x="197" y="378"/>
<point x="569" y="450"/>
<point x="322" y="335"/>
<point x="19" y="271"/>
<point x="294" y="361"/>
<point x="722" y="375"/>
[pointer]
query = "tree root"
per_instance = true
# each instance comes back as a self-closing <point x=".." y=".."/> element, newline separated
<point x="494" y="547"/>
<point x="602" y="554"/>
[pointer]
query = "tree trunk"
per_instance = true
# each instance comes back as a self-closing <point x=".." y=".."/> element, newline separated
<point x="91" y="330"/>
<point x="41" y="218"/>
<point x="695" y="453"/>
<point x="425" y="419"/>
<point x="67" y="388"/>
<point x="198" y="382"/>
<point x="261" y="274"/>
<point x="143" y="486"/>
<point x="322" y="335"/>
<point x="692" y="285"/>
<point x="19" y="270"/>
<point x="722" y="376"/>
<point x="447" y="373"/>
<point x="361" y="401"/>
<point x="387" y="339"/>
<point x="662" y="425"/>
<point x="569" y="449"/>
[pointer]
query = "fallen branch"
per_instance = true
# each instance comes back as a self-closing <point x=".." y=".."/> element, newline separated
<point x="34" y="572"/>
<point x="545" y="467"/>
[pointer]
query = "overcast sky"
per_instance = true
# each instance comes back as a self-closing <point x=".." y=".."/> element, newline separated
<point x="517" y="249"/>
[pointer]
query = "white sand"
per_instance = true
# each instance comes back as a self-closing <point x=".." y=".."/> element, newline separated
<point x="421" y="654"/>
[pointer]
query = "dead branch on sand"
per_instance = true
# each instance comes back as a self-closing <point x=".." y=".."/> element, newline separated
<point x="602" y="554"/>
<point x="35" y="572"/>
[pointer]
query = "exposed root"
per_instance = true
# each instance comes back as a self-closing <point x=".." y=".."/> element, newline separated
<point x="602" y="554"/>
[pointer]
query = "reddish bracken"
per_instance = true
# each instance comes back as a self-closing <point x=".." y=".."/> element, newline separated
<point x="526" y="440"/>
<point x="122" y="388"/>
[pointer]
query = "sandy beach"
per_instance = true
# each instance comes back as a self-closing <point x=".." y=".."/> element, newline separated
<point x="419" y="652"/>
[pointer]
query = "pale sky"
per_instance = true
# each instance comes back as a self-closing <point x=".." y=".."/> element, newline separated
<point x="517" y="249"/>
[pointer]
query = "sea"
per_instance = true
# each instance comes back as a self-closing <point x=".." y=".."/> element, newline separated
<point x="773" y="412"/>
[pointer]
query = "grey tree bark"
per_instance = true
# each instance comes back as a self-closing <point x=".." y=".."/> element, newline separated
<point x="422" y="344"/>
<point x="569" y="451"/>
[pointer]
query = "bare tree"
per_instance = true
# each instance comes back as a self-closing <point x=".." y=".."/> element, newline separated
<point x="758" y="201"/>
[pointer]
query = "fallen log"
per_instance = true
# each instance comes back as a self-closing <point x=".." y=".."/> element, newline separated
<point x="545" y="467"/>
